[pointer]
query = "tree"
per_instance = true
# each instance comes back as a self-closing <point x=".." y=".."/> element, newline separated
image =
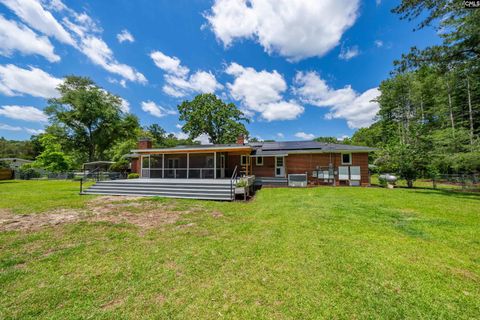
<point x="326" y="139"/>
<point x="207" y="114"/>
<point x="52" y="158"/>
<point x="90" y="117"/>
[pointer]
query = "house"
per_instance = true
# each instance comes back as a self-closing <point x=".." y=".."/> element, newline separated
<point x="211" y="171"/>
<point x="269" y="162"/>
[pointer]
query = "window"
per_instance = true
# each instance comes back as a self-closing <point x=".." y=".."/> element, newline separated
<point x="346" y="158"/>
<point x="243" y="160"/>
<point x="259" y="161"/>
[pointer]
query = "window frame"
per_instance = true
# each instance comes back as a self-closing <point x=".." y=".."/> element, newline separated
<point x="242" y="161"/>
<point x="257" y="163"/>
<point x="349" y="156"/>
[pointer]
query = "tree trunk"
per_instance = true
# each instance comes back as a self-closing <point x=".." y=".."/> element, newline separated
<point x="451" y="109"/>
<point x="410" y="183"/>
<point x="470" y="113"/>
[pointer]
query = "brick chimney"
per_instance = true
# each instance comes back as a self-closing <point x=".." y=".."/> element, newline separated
<point x="241" y="139"/>
<point x="145" y="143"/>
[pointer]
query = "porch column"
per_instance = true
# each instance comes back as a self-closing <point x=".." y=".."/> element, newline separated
<point x="215" y="165"/>
<point x="188" y="164"/>
<point x="163" y="165"/>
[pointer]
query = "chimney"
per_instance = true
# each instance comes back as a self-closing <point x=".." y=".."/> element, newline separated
<point x="144" y="143"/>
<point x="241" y="139"/>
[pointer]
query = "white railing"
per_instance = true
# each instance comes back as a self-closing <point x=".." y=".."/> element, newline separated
<point x="180" y="173"/>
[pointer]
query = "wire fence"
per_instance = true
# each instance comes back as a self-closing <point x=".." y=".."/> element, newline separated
<point x="448" y="182"/>
<point x="67" y="175"/>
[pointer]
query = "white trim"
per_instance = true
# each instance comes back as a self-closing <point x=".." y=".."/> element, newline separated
<point x="256" y="161"/>
<point x="242" y="156"/>
<point x="190" y="149"/>
<point x="282" y="171"/>
<point x="350" y="156"/>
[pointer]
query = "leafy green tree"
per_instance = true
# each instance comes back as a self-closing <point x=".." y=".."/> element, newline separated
<point x="326" y="139"/>
<point x="207" y="114"/>
<point x="90" y="117"/>
<point x="52" y="158"/>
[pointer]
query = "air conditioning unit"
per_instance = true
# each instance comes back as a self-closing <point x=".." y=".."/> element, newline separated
<point x="297" y="180"/>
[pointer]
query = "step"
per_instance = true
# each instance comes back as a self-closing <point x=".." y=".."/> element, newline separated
<point x="186" y="193"/>
<point x="160" y="189"/>
<point x="149" y="194"/>
<point x="165" y="185"/>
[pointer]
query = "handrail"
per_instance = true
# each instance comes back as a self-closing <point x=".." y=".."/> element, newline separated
<point x="85" y="176"/>
<point x="232" y="187"/>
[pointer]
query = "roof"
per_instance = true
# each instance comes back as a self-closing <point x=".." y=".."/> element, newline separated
<point x="197" y="147"/>
<point x="270" y="148"/>
<point x="15" y="159"/>
<point x="99" y="162"/>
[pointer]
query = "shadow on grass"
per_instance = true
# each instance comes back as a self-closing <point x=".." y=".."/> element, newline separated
<point x="8" y="181"/>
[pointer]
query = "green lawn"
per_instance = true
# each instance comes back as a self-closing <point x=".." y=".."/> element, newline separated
<point x="333" y="253"/>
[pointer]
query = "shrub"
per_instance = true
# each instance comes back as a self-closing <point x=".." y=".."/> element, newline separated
<point x="133" y="176"/>
<point x="27" y="172"/>
<point x="242" y="183"/>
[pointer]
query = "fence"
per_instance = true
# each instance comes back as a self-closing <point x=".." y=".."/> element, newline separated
<point x="456" y="182"/>
<point x="32" y="174"/>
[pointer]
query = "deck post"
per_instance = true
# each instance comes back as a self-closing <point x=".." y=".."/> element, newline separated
<point x="188" y="164"/>
<point x="215" y="165"/>
<point x="163" y="165"/>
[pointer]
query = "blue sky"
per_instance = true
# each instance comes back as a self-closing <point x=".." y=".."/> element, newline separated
<point x="298" y="68"/>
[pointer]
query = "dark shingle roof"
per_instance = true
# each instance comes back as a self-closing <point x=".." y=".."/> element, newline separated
<point x="306" y="145"/>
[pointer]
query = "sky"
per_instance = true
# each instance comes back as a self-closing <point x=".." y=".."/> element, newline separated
<point x="298" y="69"/>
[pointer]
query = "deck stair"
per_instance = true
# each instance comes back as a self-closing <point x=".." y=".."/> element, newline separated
<point x="209" y="189"/>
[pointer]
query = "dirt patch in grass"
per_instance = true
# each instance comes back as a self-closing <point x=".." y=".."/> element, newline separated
<point x="114" y="209"/>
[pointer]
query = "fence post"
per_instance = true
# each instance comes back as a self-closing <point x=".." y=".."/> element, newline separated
<point x="434" y="182"/>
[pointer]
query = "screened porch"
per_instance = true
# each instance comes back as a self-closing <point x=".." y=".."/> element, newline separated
<point x="186" y="166"/>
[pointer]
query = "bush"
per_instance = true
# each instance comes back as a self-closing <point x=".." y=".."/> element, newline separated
<point x="242" y="183"/>
<point x="27" y="172"/>
<point x="133" y="176"/>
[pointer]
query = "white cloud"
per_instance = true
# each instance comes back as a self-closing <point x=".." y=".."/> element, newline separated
<point x="33" y="14"/>
<point x="125" y="106"/>
<point x="156" y="110"/>
<point x="99" y="53"/>
<point x="120" y="82"/>
<point x="125" y="35"/>
<point x="378" y="43"/>
<point x="280" y="135"/>
<point x="349" y="53"/>
<point x="7" y="127"/>
<point x="82" y="33"/>
<point x="18" y="37"/>
<point x="179" y="81"/>
<point x="171" y="65"/>
<point x="304" y="136"/>
<point x="178" y="126"/>
<point x="203" y="138"/>
<point x="16" y="81"/>
<point x="261" y="91"/>
<point x="25" y="113"/>
<point x="295" y="29"/>
<point x="357" y="109"/>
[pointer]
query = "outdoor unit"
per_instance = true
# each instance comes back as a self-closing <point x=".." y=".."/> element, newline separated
<point x="297" y="180"/>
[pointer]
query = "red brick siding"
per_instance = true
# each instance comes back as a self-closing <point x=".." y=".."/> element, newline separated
<point x="268" y="168"/>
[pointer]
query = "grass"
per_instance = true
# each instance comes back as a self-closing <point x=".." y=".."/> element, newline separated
<point x="334" y="253"/>
<point x="36" y="196"/>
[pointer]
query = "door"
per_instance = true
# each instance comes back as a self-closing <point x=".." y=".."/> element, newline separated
<point x="279" y="166"/>
<point x="145" y="172"/>
<point x="222" y="166"/>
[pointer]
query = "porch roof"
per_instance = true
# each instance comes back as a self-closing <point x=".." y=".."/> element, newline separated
<point x="197" y="148"/>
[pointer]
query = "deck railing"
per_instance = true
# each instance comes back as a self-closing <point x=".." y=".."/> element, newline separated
<point x="182" y="173"/>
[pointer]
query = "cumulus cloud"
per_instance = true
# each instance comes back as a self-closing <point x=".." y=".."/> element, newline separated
<point x="76" y="29"/>
<point x="304" y="136"/>
<point x="347" y="53"/>
<point x="156" y="110"/>
<point x="179" y="82"/>
<point x="295" y="29"/>
<point x="125" y="106"/>
<point x="358" y="109"/>
<point x="33" y="14"/>
<point x="378" y="43"/>
<point x="17" y="37"/>
<point x="16" y="81"/>
<point x="125" y="35"/>
<point x="261" y="91"/>
<point x="7" y="127"/>
<point x="25" y="113"/>
<point x="280" y="135"/>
